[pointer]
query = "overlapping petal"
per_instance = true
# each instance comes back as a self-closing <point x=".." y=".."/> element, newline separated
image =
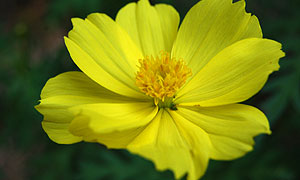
<point x="110" y="117"/>
<point x="230" y="128"/>
<point x="209" y="27"/>
<point x="198" y="141"/>
<point x="233" y="75"/>
<point x="105" y="52"/>
<point x="173" y="143"/>
<point x="68" y="90"/>
<point x="153" y="28"/>
<point x="114" y="125"/>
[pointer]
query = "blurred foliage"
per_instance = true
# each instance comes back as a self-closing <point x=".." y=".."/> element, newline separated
<point x="32" y="51"/>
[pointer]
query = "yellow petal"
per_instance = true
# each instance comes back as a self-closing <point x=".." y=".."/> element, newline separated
<point x="67" y="90"/>
<point x="115" y="140"/>
<point x="153" y="28"/>
<point x="231" y="128"/>
<point x="209" y="27"/>
<point x="105" y="52"/>
<point x="111" y="117"/>
<point x="233" y="75"/>
<point x="199" y="142"/>
<point x="114" y="125"/>
<point x="164" y="141"/>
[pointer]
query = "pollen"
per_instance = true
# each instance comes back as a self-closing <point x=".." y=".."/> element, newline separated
<point x="162" y="76"/>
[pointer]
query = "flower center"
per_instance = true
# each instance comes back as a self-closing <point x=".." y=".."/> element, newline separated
<point x="161" y="77"/>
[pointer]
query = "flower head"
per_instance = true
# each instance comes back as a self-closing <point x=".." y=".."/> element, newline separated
<point x="164" y="93"/>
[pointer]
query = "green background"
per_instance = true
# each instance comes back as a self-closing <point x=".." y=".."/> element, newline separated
<point x="32" y="51"/>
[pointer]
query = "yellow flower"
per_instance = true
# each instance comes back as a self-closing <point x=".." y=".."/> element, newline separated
<point x="168" y="95"/>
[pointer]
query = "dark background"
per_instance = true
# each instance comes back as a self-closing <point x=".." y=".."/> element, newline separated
<point x="32" y="51"/>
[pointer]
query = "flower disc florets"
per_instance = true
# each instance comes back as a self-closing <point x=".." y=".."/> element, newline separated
<point x="162" y="76"/>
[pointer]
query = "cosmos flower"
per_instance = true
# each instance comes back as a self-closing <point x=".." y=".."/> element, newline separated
<point x="169" y="95"/>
